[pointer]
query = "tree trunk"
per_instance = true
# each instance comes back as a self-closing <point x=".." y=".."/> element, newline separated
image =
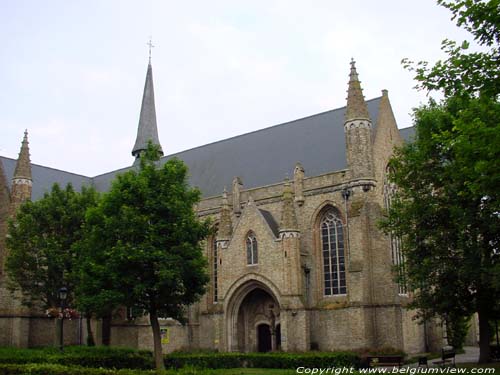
<point x="106" y="330"/>
<point x="153" y="317"/>
<point x="90" y="334"/>
<point x="484" y="336"/>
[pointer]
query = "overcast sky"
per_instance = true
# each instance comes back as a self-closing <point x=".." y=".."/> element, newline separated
<point x="72" y="72"/>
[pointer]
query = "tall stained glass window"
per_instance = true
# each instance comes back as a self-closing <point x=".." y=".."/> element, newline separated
<point x="333" y="250"/>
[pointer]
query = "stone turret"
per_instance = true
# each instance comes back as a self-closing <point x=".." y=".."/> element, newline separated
<point x="225" y="225"/>
<point x="290" y="242"/>
<point x="147" y="129"/>
<point x="22" y="181"/>
<point x="358" y="130"/>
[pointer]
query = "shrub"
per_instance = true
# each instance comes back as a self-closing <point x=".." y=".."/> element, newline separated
<point x="55" y="369"/>
<point x="52" y="369"/>
<point x="262" y="360"/>
<point x="80" y="356"/>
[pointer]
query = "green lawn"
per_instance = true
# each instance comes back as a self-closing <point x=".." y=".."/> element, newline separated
<point x="249" y="371"/>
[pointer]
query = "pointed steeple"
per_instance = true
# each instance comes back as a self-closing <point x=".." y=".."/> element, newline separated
<point x="22" y="181"/>
<point x="358" y="130"/>
<point x="356" y="106"/>
<point x="147" y="129"/>
<point x="23" y="166"/>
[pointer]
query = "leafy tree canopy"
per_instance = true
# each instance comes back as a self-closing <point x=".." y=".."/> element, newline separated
<point x="144" y="241"/>
<point x="464" y="72"/>
<point x="41" y="258"/>
<point x="446" y="210"/>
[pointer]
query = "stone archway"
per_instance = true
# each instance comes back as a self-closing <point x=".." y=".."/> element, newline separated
<point x="252" y="316"/>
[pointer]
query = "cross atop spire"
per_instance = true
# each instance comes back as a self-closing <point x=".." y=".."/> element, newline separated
<point x="150" y="44"/>
<point x="356" y="106"/>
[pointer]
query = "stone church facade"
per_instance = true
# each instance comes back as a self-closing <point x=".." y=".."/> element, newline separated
<point x="297" y="261"/>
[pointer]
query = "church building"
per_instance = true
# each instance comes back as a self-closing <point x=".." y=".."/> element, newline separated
<point x="297" y="263"/>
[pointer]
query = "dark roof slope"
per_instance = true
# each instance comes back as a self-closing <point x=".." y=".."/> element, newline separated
<point x="271" y="222"/>
<point x="407" y="133"/>
<point x="266" y="156"/>
<point x="45" y="177"/>
<point x="260" y="158"/>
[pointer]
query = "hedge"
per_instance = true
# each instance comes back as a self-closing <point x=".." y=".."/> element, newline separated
<point x="55" y="369"/>
<point x="52" y="369"/>
<point x="262" y="360"/>
<point x="117" y="358"/>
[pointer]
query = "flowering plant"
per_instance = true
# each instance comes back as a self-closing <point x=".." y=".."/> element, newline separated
<point x="67" y="313"/>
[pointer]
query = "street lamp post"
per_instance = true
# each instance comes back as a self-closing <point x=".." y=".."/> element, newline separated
<point x="62" y="294"/>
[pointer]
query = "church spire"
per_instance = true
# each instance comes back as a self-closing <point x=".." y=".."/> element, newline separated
<point x="358" y="130"/>
<point x="23" y="166"/>
<point x="147" y="129"/>
<point x="22" y="181"/>
<point x="356" y="106"/>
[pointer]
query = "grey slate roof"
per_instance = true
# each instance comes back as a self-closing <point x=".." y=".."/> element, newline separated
<point x="271" y="222"/>
<point x="266" y="156"/>
<point x="45" y="177"/>
<point x="260" y="158"/>
<point x="407" y="133"/>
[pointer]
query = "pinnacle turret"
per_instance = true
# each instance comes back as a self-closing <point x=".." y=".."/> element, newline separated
<point x="23" y="166"/>
<point x="147" y="129"/>
<point x="22" y="181"/>
<point x="288" y="218"/>
<point x="358" y="130"/>
<point x="225" y="226"/>
<point x="356" y="106"/>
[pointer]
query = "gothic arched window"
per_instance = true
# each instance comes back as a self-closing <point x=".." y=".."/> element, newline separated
<point x="333" y="251"/>
<point x="397" y="255"/>
<point x="252" y="253"/>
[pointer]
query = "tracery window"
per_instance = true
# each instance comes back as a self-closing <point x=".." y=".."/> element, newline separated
<point x="252" y="252"/>
<point x="397" y="255"/>
<point x="333" y="250"/>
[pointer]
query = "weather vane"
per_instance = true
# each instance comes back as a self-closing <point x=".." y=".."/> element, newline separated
<point x="150" y="44"/>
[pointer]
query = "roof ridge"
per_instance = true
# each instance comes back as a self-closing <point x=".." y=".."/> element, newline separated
<point x="263" y="129"/>
<point x="44" y="166"/>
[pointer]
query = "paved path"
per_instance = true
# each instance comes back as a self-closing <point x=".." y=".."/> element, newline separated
<point x="471" y="355"/>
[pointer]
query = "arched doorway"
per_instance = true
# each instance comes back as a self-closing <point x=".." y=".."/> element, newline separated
<point x="264" y="340"/>
<point x="253" y="316"/>
<point x="278" y="337"/>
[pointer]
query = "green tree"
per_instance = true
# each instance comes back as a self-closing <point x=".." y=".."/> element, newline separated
<point x="447" y="210"/>
<point x="146" y="238"/>
<point x="41" y="257"/>
<point x="464" y="72"/>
